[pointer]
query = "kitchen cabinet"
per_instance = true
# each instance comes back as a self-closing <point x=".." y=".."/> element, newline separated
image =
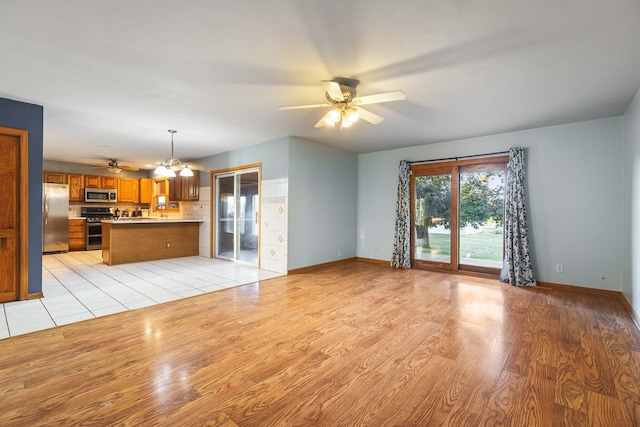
<point x="185" y="188"/>
<point x="76" y="187"/>
<point x="160" y="187"/>
<point x="77" y="234"/>
<point x="55" y="178"/>
<point x="109" y="182"/>
<point x="146" y="190"/>
<point x="75" y="182"/>
<point x="95" y="181"/>
<point x="128" y="190"/>
<point x="175" y="188"/>
<point x="91" y="181"/>
<point x="191" y="187"/>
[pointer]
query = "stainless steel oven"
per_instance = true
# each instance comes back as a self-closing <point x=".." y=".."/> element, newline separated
<point x="94" y="218"/>
<point x="100" y="195"/>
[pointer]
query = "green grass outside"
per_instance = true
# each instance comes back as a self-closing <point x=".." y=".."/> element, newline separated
<point x="486" y="245"/>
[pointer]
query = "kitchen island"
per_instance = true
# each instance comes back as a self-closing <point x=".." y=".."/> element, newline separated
<point x="148" y="239"/>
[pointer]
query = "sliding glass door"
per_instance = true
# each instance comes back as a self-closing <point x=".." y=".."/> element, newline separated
<point x="237" y="215"/>
<point x="457" y="213"/>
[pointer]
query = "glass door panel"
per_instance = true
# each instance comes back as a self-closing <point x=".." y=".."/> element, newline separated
<point x="237" y="206"/>
<point x="481" y="214"/>
<point x="432" y="203"/>
<point x="225" y="212"/>
<point x="457" y="210"/>
<point x="248" y="216"/>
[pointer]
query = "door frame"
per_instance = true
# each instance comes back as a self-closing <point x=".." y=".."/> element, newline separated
<point x="450" y="167"/>
<point x="23" y="212"/>
<point x="212" y="181"/>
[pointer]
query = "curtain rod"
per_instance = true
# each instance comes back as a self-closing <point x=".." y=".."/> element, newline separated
<point x="459" y="157"/>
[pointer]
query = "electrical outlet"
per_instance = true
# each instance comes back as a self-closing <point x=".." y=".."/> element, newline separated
<point x="168" y="245"/>
<point x="559" y="268"/>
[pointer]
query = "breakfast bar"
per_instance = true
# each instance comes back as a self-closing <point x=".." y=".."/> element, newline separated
<point x="148" y="239"/>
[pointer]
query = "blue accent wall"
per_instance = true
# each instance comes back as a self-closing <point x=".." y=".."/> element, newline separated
<point x="29" y="117"/>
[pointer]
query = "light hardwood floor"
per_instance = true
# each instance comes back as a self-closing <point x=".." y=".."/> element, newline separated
<point x="353" y="344"/>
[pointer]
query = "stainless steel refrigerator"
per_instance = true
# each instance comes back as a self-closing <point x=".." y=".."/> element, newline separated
<point x="55" y="218"/>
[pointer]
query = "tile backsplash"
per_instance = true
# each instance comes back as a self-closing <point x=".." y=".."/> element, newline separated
<point x="274" y="225"/>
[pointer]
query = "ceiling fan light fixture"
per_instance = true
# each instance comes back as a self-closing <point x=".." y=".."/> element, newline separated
<point x="335" y="115"/>
<point x="114" y="170"/>
<point x="349" y="116"/>
<point x="329" y="122"/>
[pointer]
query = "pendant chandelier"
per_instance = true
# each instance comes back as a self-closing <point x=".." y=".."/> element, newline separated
<point x="169" y="167"/>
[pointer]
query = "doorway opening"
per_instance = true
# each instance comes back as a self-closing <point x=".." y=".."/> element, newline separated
<point x="237" y="214"/>
<point x="457" y="215"/>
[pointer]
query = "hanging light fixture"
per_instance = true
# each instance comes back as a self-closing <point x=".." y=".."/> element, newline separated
<point x="169" y="166"/>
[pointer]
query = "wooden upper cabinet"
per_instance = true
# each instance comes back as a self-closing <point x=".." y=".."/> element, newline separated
<point x="146" y="190"/>
<point x="175" y="188"/>
<point x="191" y="187"/>
<point x="91" y="181"/>
<point x="76" y="187"/>
<point x="184" y="188"/>
<point x="96" y="181"/>
<point x="160" y="187"/>
<point x="55" y="178"/>
<point x="128" y="189"/>
<point x="108" y="182"/>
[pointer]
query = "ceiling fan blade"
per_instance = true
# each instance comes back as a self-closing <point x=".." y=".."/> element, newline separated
<point x="100" y="166"/>
<point x="369" y="116"/>
<point x="333" y="89"/>
<point x="296" y="107"/>
<point x="321" y="122"/>
<point x="397" y="95"/>
<point x="128" y="168"/>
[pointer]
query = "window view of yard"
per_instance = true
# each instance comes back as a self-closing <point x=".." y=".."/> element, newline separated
<point x="483" y="247"/>
<point x="480" y="215"/>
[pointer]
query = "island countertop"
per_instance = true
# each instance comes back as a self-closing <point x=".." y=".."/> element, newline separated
<point x="126" y="241"/>
<point x="146" y="220"/>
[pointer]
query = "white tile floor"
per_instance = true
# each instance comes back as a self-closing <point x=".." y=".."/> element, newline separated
<point x="78" y="286"/>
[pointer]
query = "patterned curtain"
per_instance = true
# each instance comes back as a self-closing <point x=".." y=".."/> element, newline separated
<point x="516" y="268"/>
<point x="402" y="240"/>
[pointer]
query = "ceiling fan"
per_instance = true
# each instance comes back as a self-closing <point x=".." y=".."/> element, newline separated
<point x="114" y="167"/>
<point x="341" y="94"/>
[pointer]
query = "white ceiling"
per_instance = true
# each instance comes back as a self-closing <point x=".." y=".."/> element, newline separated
<point x="114" y="75"/>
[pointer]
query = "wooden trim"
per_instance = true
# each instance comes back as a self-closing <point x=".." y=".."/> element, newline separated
<point x="453" y="168"/>
<point x="212" y="202"/>
<point x="629" y="308"/>
<point x="23" y="209"/>
<point x="315" y="267"/>
<point x="489" y="271"/>
<point x="375" y="261"/>
<point x="35" y="295"/>
<point x="582" y="289"/>
<point x="237" y="168"/>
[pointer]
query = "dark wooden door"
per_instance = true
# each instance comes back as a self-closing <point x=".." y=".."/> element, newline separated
<point x="9" y="217"/>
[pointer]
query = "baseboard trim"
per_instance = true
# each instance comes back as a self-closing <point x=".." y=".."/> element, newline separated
<point x="630" y="309"/>
<point x="581" y="289"/>
<point x="375" y="261"/>
<point x="318" y="266"/>
<point x="35" y="295"/>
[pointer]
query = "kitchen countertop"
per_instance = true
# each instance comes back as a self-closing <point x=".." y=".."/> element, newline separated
<point x="147" y="220"/>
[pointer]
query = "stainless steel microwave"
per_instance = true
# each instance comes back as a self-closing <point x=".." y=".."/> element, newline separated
<point x="100" y="195"/>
